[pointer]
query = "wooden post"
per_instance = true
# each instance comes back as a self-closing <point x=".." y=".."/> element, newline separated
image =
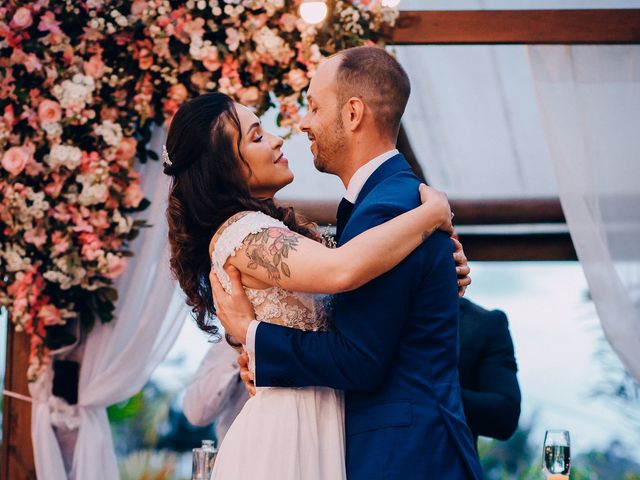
<point x="17" y="449"/>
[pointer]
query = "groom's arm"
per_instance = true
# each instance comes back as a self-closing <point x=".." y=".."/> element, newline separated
<point x="370" y="322"/>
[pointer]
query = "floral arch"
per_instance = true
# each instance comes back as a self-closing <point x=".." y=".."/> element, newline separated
<point x="81" y="85"/>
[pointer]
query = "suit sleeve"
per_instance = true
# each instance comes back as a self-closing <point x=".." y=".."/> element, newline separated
<point x="492" y="408"/>
<point x="357" y="356"/>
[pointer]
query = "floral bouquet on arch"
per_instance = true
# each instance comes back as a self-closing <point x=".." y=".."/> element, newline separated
<point x="81" y="85"/>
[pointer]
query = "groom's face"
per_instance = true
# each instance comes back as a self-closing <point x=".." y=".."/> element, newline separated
<point x="323" y="121"/>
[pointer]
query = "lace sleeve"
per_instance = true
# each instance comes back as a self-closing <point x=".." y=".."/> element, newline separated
<point x="230" y="240"/>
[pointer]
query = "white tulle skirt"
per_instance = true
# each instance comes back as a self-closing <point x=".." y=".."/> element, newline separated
<point x="286" y="434"/>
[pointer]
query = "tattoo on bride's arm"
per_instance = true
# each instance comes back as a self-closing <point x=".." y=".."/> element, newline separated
<point x="269" y="249"/>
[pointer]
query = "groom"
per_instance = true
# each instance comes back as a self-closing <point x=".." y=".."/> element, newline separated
<point x="394" y="349"/>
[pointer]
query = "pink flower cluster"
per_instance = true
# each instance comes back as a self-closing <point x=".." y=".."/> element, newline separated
<point x="81" y="86"/>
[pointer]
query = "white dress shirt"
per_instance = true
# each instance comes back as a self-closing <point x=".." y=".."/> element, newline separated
<point x="354" y="187"/>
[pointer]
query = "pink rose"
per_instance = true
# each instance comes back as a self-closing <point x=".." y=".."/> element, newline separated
<point x="35" y="237"/>
<point x="32" y="63"/>
<point x="133" y="195"/>
<point x="92" y="246"/>
<point x="54" y="188"/>
<point x="115" y="266"/>
<point x="15" y="159"/>
<point x="288" y="22"/>
<point x="297" y="79"/>
<point x="127" y="149"/>
<point x="94" y="67"/>
<point x="21" y="19"/>
<point x="60" y="242"/>
<point x="48" y="23"/>
<point x="137" y="7"/>
<point x="178" y="92"/>
<point x="50" y="315"/>
<point x="249" y="96"/>
<point x="49" y="111"/>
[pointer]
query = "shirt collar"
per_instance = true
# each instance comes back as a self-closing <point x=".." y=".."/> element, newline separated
<point x="364" y="172"/>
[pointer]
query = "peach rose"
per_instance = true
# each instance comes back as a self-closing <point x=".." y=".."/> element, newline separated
<point x="50" y="315"/>
<point x="115" y="266"/>
<point x="15" y="159"/>
<point x="94" y="67"/>
<point x="178" y="92"/>
<point x="288" y="22"/>
<point x="127" y="148"/>
<point x="49" y="111"/>
<point x="249" y="96"/>
<point x="146" y="59"/>
<point x="297" y="79"/>
<point x="21" y="19"/>
<point x="133" y="195"/>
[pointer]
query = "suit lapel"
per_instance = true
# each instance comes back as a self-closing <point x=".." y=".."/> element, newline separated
<point x="395" y="164"/>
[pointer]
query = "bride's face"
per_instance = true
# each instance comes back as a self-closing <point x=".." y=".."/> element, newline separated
<point x="261" y="150"/>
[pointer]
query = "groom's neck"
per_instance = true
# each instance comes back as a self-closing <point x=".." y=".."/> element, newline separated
<point x="360" y="154"/>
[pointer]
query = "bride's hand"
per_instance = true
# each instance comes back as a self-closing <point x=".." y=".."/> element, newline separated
<point x="462" y="267"/>
<point x="437" y="201"/>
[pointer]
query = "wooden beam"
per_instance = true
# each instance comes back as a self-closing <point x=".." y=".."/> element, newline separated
<point x="520" y="247"/>
<point x="467" y="212"/>
<point x="489" y="246"/>
<point x="17" y="450"/>
<point x="596" y="26"/>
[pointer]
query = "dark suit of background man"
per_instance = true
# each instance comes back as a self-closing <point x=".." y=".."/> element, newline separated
<point x="490" y="391"/>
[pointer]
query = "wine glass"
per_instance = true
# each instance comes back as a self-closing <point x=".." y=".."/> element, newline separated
<point x="556" y="453"/>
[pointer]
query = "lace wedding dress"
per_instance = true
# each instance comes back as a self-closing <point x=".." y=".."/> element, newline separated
<point x="281" y="433"/>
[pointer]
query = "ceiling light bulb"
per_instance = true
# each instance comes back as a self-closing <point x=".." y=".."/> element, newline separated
<point x="313" y="12"/>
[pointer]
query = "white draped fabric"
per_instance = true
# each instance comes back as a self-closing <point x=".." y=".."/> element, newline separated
<point x="589" y="98"/>
<point x="119" y="357"/>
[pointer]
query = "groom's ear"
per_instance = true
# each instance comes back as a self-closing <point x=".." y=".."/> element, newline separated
<point x="355" y="113"/>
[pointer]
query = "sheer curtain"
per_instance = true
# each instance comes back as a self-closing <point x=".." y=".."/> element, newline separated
<point x="589" y="98"/>
<point x="120" y="356"/>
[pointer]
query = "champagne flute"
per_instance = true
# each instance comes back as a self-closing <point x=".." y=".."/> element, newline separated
<point x="556" y="453"/>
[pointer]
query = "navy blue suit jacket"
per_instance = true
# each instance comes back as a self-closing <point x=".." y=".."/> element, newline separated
<point x="394" y="352"/>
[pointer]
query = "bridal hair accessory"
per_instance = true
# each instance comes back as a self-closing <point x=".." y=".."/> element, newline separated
<point x="165" y="157"/>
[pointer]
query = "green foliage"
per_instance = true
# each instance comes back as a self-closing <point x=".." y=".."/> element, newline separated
<point x="123" y="411"/>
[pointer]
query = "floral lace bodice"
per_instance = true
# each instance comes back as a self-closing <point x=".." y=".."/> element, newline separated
<point x="304" y="311"/>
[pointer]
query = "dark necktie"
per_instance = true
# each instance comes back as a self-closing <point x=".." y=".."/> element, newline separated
<point x="342" y="216"/>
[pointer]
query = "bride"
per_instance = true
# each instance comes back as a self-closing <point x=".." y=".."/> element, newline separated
<point x="225" y="172"/>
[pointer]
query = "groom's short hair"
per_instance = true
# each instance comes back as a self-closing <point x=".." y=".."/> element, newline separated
<point x="379" y="80"/>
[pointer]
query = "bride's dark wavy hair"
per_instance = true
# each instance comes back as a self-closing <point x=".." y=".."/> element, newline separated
<point x="207" y="188"/>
